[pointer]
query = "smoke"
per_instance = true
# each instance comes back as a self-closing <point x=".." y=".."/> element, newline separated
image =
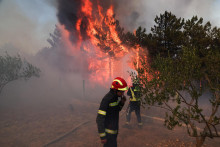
<point x="26" y="24"/>
<point x="130" y="13"/>
<point x="135" y="13"/>
<point x="148" y="9"/>
<point x="59" y="55"/>
<point x="25" y="28"/>
<point x="61" y="80"/>
<point x="67" y="13"/>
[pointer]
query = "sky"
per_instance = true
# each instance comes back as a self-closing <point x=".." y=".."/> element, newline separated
<point x="144" y="11"/>
<point x="25" y="25"/>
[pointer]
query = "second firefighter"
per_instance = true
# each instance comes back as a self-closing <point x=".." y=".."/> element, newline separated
<point x="134" y="104"/>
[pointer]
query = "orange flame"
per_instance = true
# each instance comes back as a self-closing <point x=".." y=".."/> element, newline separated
<point x="105" y="51"/>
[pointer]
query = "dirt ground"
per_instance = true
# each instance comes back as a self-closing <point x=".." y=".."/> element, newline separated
<point x="41" y="124"/>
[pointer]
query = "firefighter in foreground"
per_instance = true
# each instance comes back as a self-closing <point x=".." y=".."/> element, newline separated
<point x="108" y="113"/>
<point x="135" y="103"/>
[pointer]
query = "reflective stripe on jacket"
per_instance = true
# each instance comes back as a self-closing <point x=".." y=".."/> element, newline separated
<point x="108" y="114"/>
<point x="134" y="93"/>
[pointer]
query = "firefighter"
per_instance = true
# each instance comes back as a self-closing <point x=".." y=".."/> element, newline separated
<point x="134" y="104"/>
<point x="108" y="114"/>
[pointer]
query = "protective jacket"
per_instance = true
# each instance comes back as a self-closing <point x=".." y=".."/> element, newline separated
<point x="108" y="114"/>
<point x="134" y="93"/>
<point x="134" y="104"/>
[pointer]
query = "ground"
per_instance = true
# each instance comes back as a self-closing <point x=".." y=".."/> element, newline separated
<point x="40" y="124"/>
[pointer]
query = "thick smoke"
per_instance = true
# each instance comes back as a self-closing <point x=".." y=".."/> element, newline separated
<point x="59" y="56"/>
<point x="135" y="13"/>
<point x="67" y="13"/>
<point x="62" y="72"/>
<point x="130" y="13"/>
<point x="148" y="9"/>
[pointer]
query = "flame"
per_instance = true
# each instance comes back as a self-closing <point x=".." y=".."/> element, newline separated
<point x="107" y="56"/>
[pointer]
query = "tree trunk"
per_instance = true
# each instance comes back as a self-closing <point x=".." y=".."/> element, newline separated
<point x="199" y="141"/>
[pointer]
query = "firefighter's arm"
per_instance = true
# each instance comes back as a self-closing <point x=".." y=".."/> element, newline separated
<point x="100" y="120"/>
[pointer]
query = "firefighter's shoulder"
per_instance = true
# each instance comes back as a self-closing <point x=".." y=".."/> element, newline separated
<point x="108" y="96"/>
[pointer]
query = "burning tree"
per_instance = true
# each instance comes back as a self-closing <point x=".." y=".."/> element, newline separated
<point x="183" y="73"/>
<point x="89" y="40"/>
<point x="14" y="68"/>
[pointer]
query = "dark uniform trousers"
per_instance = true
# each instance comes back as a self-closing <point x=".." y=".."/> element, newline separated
<point x="134" y="106"/>
<point x="111" y="140"/>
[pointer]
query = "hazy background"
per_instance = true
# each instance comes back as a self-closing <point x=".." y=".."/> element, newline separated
<point x="25" y="26"/>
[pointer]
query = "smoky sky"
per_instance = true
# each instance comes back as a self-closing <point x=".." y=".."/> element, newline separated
<point x="148" y="9"/>
<point x="26" y="24"/>
<point x="130" y="13"/>
<point x="134" y="13"/>
<point x="67" y="12"/>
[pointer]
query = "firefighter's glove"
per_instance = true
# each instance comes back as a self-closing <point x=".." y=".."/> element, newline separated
<point x="103" y="141"/>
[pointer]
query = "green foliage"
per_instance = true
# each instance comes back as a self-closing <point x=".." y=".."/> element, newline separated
<point x="133" y="39"/>
<point x="184" y="64"/>
<point x="13" y="68"/>
<point x="171" y="77"/>
<point x="167" y="33"/>
<point x="170" y="34"/>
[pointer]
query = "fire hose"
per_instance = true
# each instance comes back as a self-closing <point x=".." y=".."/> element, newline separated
<point x="66" y="134"/>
